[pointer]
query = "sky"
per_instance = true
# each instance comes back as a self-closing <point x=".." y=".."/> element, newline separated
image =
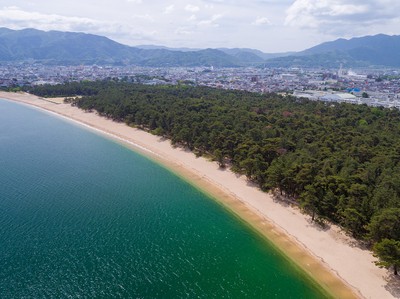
<point x="268" y="25"/>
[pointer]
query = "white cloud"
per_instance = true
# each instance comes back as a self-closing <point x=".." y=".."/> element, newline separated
<point x="347" y="9"/>
<point x="211" y="21"/>
<point x="15" y="18"/>
<point x="318" y="9"/>
<point x="183" y="31"/>
<point x="341" y="15"/>
<point x="135" y="1"/>
<point x="192" y="8"/>
<point x="192" y="18"/>
<point x="169" y="9"/>
<point x="145" y="17"/>
<point x="261" y="21"/>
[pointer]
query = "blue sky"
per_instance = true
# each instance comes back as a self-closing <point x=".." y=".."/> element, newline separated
<point x="267" y="25"/>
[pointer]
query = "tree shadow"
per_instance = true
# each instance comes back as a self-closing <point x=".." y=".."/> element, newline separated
<point x="393" y="285"/>
<point x="281" y="199"/>
<point x="319" y="224"/>
<point x="252" y="184"/>
<point x="238" y="175"/>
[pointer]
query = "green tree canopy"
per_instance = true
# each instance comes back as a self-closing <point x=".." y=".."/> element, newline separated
<point x="385" y="225"/>
<point x="388" y="253"/>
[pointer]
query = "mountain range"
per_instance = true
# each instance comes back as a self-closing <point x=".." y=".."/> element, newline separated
<point x="56" y="47"/>
<point x="367" y="51"/>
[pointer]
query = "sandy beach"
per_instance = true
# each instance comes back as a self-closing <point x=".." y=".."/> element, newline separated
<point x="332" y="258"/>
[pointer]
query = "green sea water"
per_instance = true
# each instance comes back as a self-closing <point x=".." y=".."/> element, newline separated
<point x="84" y="217"/>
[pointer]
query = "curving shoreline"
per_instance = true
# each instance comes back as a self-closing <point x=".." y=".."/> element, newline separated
<point x="343" y="270"/>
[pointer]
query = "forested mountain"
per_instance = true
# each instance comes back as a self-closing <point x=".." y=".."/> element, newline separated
<point x="377" y="50"/>
<point x="325" y="60"/>
<point x="79" y="48"/>
<point x="207" y="57"/>
<point x="61" y="47"/>
<point x="258" y="53"/>
<point x="155" y="47"/>
<point x="57" y="47"/>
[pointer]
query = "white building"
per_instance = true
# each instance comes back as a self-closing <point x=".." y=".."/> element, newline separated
<point x="340" y="98"/>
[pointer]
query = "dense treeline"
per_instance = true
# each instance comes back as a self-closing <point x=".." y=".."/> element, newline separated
<point x="338" y="161"/>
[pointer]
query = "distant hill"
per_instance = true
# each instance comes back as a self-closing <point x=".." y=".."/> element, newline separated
<point x="207" y="57"/>
<point x="57" y="47"/>
<point x="264" y="56"/>
<point x="377" y="50"/>
<point x="243" y="56"/>
<point x="155" y="47"/>
<point x="326" y="60"/>
<point x="61" y="47"/>
<point x="252" y="55"/>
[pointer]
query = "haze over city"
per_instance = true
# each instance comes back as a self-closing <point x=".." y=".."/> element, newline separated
<point x="267" y="25"/>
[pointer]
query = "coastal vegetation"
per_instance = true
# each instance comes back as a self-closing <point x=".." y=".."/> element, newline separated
<point x="338" y="162"/>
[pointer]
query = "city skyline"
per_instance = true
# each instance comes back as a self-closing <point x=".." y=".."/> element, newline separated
<point x="267" y="25"/>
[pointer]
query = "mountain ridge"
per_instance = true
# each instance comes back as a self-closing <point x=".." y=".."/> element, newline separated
<point x="57" y="47"/>
<point x="84" y="48"/>
<point x="366" y="51"/>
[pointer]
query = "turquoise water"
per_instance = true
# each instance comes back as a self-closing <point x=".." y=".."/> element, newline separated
<point x="84" y="217"/>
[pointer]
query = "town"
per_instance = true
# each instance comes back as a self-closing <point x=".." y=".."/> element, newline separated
<point x="374" y="87"/>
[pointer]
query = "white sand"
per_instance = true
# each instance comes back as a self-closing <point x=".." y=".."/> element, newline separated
<point x="349" y="266"/>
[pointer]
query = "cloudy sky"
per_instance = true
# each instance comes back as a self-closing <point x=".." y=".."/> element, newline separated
<point x="267" y="25"/>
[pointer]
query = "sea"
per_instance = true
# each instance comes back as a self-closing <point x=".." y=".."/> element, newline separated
<point x="82" y="216"/>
